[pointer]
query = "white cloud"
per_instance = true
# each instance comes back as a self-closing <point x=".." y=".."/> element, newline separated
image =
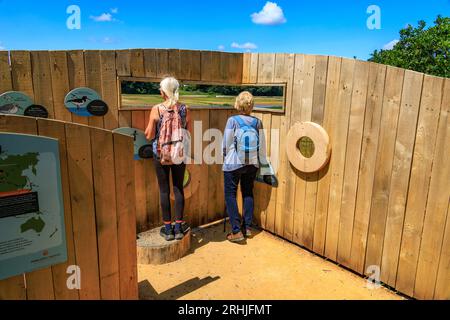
<point x="221" y="47"/>
<point x="390" y="45"/>
<point x="109" y="40"/>
<point x="246" y="46"/>
<point x="104" y="17"/>
<point x="115" y="10"/>
<point x="271" y="14"/>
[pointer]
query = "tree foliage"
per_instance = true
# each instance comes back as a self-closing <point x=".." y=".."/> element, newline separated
<point x="421" y="49"/>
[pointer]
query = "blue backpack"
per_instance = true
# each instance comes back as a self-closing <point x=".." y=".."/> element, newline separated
<point x="246" y="140"/>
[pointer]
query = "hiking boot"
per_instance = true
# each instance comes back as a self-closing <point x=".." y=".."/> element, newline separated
<point x="235" y="237"/>
<point x="179" y="235"/>
<point x="167" y="236"/>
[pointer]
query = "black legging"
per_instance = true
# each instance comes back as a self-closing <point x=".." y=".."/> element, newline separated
<point x="163" y="174"/>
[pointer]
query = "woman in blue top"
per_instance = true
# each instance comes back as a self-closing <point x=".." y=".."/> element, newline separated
<point x="242" y="145"/>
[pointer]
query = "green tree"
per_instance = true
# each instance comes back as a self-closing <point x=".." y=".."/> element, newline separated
<point x="421" y="49"/>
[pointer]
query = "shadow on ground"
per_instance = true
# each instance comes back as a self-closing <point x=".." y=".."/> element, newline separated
<point x="147" y="292"/>
<point x="203" y="236"/>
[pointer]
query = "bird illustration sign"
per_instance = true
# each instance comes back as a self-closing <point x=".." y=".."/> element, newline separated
<point x="18" y="103"/>
<point x="142" y="146"/>
<point x="85" y="102"/>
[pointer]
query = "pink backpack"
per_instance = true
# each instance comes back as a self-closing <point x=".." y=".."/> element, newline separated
<point x="170" y="146"/>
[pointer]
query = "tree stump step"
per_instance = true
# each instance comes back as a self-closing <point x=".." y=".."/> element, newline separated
<point x="153" y="249"/>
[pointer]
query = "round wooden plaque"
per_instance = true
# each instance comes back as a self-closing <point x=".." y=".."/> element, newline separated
<point x="308" y="147"/>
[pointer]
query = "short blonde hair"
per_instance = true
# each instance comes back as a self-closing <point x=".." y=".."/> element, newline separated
<point x="245" y="102"/>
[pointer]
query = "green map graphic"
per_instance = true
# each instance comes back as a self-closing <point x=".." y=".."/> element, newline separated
<point x="13" y="178"/>
<point x="35" y="224"/>
<point x="12" y="167"/>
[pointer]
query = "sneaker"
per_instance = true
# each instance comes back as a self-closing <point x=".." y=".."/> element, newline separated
<point x="185" y="227"/>
<point x="248" y="233"/>
<point x="167" y="236"/>
<point x="235" y="237"/>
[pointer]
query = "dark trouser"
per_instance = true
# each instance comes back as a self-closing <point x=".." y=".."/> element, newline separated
<point x="246" y="175"/>
<point x="163" y="174"/>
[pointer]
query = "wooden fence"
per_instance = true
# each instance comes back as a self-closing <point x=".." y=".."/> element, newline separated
<point x="98" y="192"/>
<point x="382" y="201"/>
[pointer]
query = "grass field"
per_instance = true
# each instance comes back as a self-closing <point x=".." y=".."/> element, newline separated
<point x="199" y="100"/>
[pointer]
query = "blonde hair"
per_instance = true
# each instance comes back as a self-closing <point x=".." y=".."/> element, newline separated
<point x="244" y="102"/>
<point x="171" y="88"/>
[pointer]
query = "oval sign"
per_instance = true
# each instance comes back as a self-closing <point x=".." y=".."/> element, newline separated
<point x="36" y="111"/>
<point x="14" y="102"/>
<point x="97" y="108"/>
<point x="142" y="147"/>
<point x="77" y="101"/>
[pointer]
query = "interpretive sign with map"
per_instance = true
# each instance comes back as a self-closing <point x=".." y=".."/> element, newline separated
<point x="32" y="230"/>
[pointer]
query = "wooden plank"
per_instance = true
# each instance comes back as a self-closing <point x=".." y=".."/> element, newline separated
<point x="339" y="146"/>
<point x="352" y="161"/>
<point x="60" y="84"/>
<point x="56" y="129"/>
<point x="285" y="167"/>
<point x="77" y="77"/>
<point x="93" y="71"/>
<point x="266" y="68"/>
<point x="203" y="116"/>
<point x="302" y="105"/>
<point x="83" y="209"/>
<point x="323" y="187"/>
<point x="174" y="62"/>
<point x="126" y="216"/>
<point x="320" y="84"/>
<point x="436" y="210"/>
<point x="125" y="119"/>
<point x="105" y="204"/>
<point x="225" y="67"/>
<point x="273" y="141"/>
<point x="109" y="88"/>
<point x="137" y="67"/>
<point x="42" y="82"/>
<point x="383" y="165"/>
<point x="190" y="65"/>
<point x="5" y="72"/>
<point x="254" y="63"/>
<point x="163" y="63"/>
<point x="138" y="122"/>
<point x="442" y="291"/>
<point x="408" y="245"/>
<point x="22" y="77"/>
<point x="374" y="104"/>
<point x="123" y="63"/>
<point x="235" y="68"/>
<point x="213" y="173"/>
<point x="246" y="67"/>
<point x="266" y="191"/>
<point x="206" y="65"/>
<point x="150" y="63"/>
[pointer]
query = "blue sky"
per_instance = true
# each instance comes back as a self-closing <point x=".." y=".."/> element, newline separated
<point x="303" y="26"/>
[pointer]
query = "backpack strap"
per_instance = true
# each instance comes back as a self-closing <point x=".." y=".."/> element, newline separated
<point x="243" y="124"/>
